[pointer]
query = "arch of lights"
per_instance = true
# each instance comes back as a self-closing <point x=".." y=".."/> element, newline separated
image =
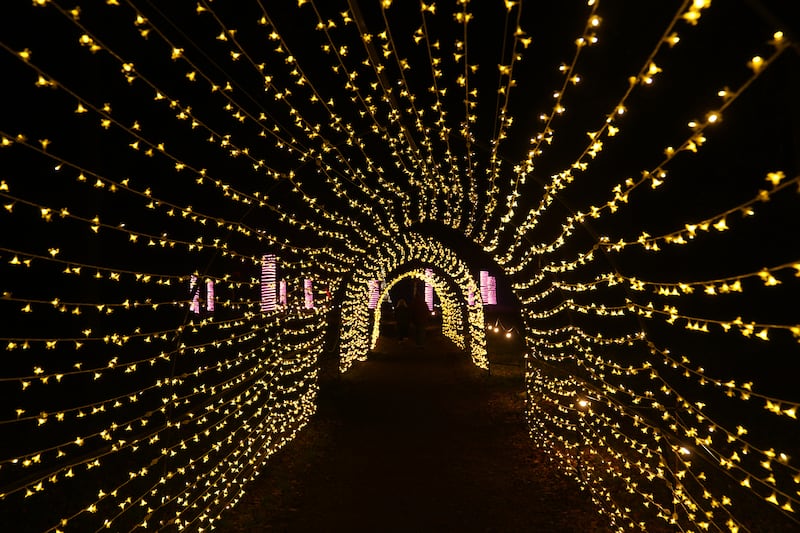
<point x="135" y="154"/>
<point x="455" y="323"/>
<point x="359" y="327"/>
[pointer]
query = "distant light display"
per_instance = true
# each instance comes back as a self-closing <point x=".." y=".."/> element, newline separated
<point x="641" y="208"/>
<point x="357" y="336"/>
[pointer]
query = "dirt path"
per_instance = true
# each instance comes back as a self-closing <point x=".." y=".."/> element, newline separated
<point x="414" y="440"/>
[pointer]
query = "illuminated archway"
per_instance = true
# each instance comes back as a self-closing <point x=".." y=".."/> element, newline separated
<point x="356" y="336"/>
<point x="662" y="385"/>
<point x="455" y="323"/>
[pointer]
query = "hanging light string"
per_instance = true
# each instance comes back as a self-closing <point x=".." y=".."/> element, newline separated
<point x="428" y="208"/>
<point x="352" y="84"/>
<point x="502" y="119"/>
<point x="607" y="422"/>
<point x="656" y="176"/>
<point x="72" y="446"/>
<point x="689" y="431"/>
<point x="417" y="164"/>
<point x="114" y="338"/>
<point x="230" y="465"/>
<point x="101" y="182"/>
<point x="576" y="336"/>
<point x="452" y="191"/>
<point x="95" y="225"/>
<point x="229" y="410"/>
<point x="690" y="231"/>
<point x="114" y="403"/>
<point x="689" y="12"/>
<point x="461" y="54"/>
<point x="746" y="447"/>
<point x="593" y="437"/>
<point x="522" y="170"/>
<point x="77" y="268"/>
<point x="41" y="376"/>
<point x="185" y="114"/>
<point x="229" y="35"/>
<point x="282" y="96"/>
<point x="712" y="287"/>
<point x="401" y="142"/>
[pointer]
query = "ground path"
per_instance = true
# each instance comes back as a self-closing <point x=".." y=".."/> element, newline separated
<point x="415" y="440"/>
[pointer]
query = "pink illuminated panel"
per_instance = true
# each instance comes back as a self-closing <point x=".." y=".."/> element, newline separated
<point x="282" y="293"/>
<point x="374" y="292"/>
<point x="491" y="291"/>
<point x="484" y="286"/>
<point x="194" y="292"/>
<point x="210" y="295"/>
<point x="268" y="274"/>
<point x="429" y="289"/>
<point x="308" y="293"/>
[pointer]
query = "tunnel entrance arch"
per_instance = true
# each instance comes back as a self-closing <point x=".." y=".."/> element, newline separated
<point x="408" y="251"/>
<point x="455" y="321"/>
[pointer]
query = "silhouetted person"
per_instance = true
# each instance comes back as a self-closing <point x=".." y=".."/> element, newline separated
<point x="402" y="315"/>
<point x="419" y="315"/>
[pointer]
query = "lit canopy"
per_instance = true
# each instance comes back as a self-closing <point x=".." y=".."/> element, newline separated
<point x="629" y="170"/>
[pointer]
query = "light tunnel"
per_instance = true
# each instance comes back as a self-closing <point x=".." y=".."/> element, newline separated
<point x="154" y="157"/>
<point x="462" y="307"/>
<point x="454" y="325"/>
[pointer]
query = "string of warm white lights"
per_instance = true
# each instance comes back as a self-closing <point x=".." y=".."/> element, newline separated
<point x="655" y="177"/>
<point x="152" y="157"/>
<point x="502" y="121"/>
<point x="689" y="12"/>
<point x="229" y="35"/>
<point x="184" y="114"/>
<point x="352" y="84"/>
<point x="452" y="327"/>
<point x="588" y="38"/>
<point x="357" y="336"/>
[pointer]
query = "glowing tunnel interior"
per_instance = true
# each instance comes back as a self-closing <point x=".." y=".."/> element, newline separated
<point x="197" y="195"/>
<point x="456" y="313"/>
<point x="462" y="307"/>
